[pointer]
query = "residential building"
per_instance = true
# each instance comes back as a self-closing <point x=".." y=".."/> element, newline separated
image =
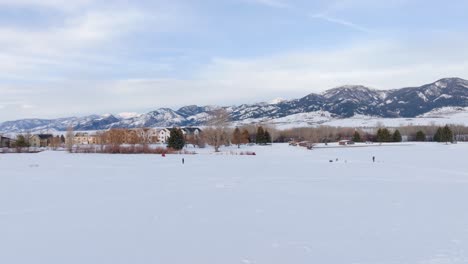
<point x="164" y="134"/>
<point x="5" y="142"/>
<point x="191" y="131"/>
<point x="85" y="139"/>
<point x="40" y="140"/>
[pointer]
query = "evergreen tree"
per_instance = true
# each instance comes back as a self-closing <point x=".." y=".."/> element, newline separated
<point x="176" y="139"/>
<point x="438" y="135"/>
<point x="383" y="135"/>
<point x="245" y="137"/>
<point x="420" y="136"/>
<point x="21" y="142"/>
<point x="379" y="135"/>
<point x="236" y="137"/>
<point x="267" y="137"/>
<point x="357" y="137"/>
<point x="260" y="137"/>
<point x="396" y="136"/>
<point x="447" y="134"/>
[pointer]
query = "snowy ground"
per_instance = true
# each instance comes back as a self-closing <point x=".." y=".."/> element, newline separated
<point x="285" y="205"/>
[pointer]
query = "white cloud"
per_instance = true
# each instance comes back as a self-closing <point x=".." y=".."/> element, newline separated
<point x="224" y="81"/>
<point x="76" y="32"/>
<point x="82" y="41"/>
<point x="381" y="64"/>
<point x="273" y="3"/>
<point x="342" y="22"/>
<point x="48" y="68"/>
<point x="364" y="4"/>
<point x="63" y="5"/>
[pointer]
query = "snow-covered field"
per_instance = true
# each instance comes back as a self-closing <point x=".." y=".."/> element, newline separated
<point x="285" y="205"/>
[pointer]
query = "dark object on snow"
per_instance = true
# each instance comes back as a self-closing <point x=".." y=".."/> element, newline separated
<point x="373" y="159"/>
<point x="163" y="155"/>
<point x="183" y="161"/>
<point x="331" y="160"/>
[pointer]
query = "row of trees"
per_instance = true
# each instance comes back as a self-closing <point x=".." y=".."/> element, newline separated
<point x="412" y="133"/>
<point x="384" y="135"/>
<point x="217" y="134"/>
<point x="218" y="137"/>
<point x="444" y="134"/>
<point x="262" y="136"/>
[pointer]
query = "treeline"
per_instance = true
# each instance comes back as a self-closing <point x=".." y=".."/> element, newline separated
<point x="120" y="141"/>
<point x="219" y="133"/>
<point x="217" y="137"/>
<point x="323" y="134"/>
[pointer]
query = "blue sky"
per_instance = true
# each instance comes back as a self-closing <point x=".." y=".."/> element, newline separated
<point x="61" y="58"/>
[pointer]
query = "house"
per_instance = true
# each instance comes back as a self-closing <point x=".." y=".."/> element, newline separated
<point x="148" y="135"/>
<point x="5" y="142"/>
<point x="40" y="140"/>
<point x="153" y="135"/>
<point x="85" y="139"/>
<point x="164" y="135"/>
<point x="345" y="142"/>
<point x="191" y="131"/>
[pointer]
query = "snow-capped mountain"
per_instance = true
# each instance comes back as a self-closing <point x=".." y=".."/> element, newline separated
<point x="337" y="103"/>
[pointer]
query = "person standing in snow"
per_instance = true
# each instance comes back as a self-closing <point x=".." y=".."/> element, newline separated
<point x="183" y="161"/>
<point x="373" y="159"/>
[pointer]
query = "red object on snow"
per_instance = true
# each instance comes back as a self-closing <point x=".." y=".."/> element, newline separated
<point x="164" y="155"/>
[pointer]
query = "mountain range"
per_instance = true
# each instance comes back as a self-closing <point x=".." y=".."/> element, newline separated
<point x="341" y="102"/>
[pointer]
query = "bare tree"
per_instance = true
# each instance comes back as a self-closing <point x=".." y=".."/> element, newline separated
<point x="55" y="142"/>
<point x="216" y="134"/>
<point x="144" y="135"/>
<point x="116" y="137"/>
<point x="236" y="137"/>
<point x="69" y="138"/>
<point x="131" y="137"/>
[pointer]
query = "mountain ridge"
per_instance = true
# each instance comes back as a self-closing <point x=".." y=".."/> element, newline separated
<point x="341" y="102"/>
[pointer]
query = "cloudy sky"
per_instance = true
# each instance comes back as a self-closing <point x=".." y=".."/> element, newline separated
<point x="61" y="58"/>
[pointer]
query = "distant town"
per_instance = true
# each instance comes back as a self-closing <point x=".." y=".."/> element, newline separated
<point x="159" y="140"/>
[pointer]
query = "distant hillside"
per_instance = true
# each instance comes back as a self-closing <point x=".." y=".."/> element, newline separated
<point x="338" y="103"/>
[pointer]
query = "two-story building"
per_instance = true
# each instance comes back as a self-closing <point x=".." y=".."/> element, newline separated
<point x="165" y="134"/>
<point x="40" y="140"/>
<point x="85" y="139"/>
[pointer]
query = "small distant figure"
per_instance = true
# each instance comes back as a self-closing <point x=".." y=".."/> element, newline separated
<point x="183" y="161"/>
<point x="163" y="155"/>
<point x="373" y="159"/>
<point x="336" y="159"/>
